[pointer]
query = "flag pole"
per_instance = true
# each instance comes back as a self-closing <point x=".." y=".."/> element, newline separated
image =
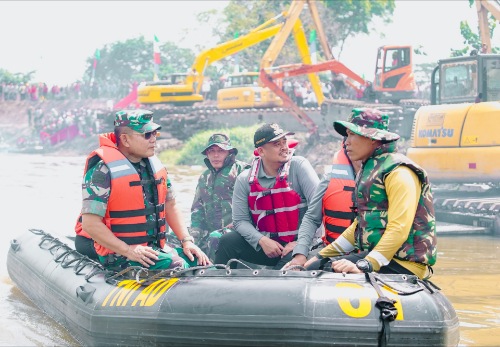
<point x="156" y="58"/>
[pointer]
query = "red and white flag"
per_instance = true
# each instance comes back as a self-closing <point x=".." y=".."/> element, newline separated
<point x="156" y="57"/>
<point x="156" y="48"/>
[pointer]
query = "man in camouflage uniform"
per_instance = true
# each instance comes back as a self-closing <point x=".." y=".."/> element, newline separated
<point x="394" y="230"/>
<point x="128" y="199"/>
<point x="211" y="211"/>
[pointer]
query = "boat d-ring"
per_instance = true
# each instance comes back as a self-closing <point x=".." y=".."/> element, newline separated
<point x="15" y="245"/>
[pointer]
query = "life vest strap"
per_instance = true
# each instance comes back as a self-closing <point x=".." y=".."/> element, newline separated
<point x="136" y="213"/>
<point x="334" y="228"/>
<point x="148" y="239"/>
<point x="284" y="233"/>
<point x="340" y="214"/>
<point x="142" y="183"/>
<point x="132" y="228"/>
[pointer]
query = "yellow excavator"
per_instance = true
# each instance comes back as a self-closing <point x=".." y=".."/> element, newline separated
<point x="255" y="95"/>
<point x="456" y="138"/>
<point x="243" y="90"/>
<point x="184" y="89"/>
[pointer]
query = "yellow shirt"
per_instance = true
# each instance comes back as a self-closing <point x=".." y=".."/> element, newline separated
<point x="403" y="192"/>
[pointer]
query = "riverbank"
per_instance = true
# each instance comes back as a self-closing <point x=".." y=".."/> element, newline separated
<point x="15" y="125"/>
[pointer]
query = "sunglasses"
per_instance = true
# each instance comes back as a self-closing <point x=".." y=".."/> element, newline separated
<point x="148" y="135"/>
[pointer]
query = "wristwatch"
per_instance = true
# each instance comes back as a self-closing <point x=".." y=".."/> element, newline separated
<point x="188" y="238"/>
<point x="364" y="265"/>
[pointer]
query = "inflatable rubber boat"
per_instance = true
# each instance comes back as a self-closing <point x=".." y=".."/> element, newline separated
<point x="219" y="306"/>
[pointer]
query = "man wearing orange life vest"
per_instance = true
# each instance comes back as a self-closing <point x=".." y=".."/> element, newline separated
<point x="127" y="203"/>
<point x="331" y="205"/>
<point x="269" y="201"/>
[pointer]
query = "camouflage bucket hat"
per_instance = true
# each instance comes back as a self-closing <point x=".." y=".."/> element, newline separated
<point x="137" y="120"/>
<point x="221" y="140"/>
<point x="367" y="122"/>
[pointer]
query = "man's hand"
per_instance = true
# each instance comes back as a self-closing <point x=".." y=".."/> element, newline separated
<point x="191" y="250"/>
<point x="144" y="255"/>
<point x="309" y="262"/>
<point x="288" y="248"/>
<point x="345" y="266"/>
<point x="272" y="248"/>
<point x="298" y="259"/>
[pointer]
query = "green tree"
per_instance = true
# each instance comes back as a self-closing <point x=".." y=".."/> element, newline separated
<point x="132" y="60"/>
<point x="472" y="40"/>
<point x="344" y="18"/>
<point x="15" y="78"/>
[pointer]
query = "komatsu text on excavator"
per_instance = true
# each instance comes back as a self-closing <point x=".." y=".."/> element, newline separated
<point x="456" y="140"/>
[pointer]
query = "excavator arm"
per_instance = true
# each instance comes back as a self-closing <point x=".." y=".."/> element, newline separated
<point x="184" y="94"/>
<point x="300" y="69"/>
<point x="211" y="55"/>
<point x="293" y="25"/>
<point x="483" y="7"/>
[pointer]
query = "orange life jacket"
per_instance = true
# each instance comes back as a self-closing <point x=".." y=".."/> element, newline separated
<point x="338" y="199"/>
<point x="274" y="210"/>
<point x="126" y="215"/>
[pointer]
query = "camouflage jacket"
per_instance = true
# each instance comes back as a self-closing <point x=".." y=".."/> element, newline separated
<point x="372" y="205"/>
<point x="212" y="205"/>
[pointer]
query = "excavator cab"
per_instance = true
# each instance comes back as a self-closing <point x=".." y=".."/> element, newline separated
<point x="466" y="79"/>
<point x="243" y="90"/>
<point x="394" y="78"/>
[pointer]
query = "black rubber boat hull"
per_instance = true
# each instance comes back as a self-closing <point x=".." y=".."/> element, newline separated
<point x="219" y="307"/>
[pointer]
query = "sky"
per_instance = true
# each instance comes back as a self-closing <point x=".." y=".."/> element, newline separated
<point x="56" y="37"/>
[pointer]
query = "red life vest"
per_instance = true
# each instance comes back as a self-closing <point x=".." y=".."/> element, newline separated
<point x="338" y="198"/>
<point x="126" y="215"/>
<point x="274" y="210"/>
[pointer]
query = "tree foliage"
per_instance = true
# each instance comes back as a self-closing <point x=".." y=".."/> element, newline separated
<point x="15" y="78"/>
<point x="341" y="20"/>
<point x="472" y="39"/>
<point x="132" y="60"/>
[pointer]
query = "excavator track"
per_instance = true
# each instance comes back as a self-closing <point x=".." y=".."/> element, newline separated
<point x="468" y="209"/>
<point x="190" y="119"/>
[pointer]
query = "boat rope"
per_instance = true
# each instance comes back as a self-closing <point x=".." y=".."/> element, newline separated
<point x="67" y="256"/>
<point x="293" y="267"/>
<point x="388" y="312"/>
<point x="230" y="261"/>
<point x="403" y="292"/>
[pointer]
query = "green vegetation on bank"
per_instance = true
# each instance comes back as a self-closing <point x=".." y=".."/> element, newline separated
<point x="190" y="154"/>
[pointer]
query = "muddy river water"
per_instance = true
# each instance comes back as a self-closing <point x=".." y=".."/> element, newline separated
<point x="44" y="192"/>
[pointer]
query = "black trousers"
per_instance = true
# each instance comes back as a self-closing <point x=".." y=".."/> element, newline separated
<point x="233" y="246"/>
<point x="86" y="247"/>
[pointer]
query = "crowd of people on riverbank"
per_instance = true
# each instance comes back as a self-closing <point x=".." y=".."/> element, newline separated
<point x="76" y="91"/>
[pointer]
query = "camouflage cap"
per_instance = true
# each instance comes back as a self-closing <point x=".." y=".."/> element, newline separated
<point x="367" y="122"/>
<point x="221" y="140"/>
<point x="137" y="120"/>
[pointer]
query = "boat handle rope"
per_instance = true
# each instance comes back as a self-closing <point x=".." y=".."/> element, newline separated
<point x="399" y="291"/>
<point x="293" y="267"/>
<point x="55" y="245"/>
<point x="175" y="272"/>
<point x="388" y="312"/>
<point x="234" y="260"/>
<point x="112" y="279"/>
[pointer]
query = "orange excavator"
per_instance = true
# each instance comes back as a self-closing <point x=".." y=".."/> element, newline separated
<point x="394" y="79"/>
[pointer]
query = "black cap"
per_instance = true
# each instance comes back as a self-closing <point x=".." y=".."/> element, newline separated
<point x="269" y="133"/>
